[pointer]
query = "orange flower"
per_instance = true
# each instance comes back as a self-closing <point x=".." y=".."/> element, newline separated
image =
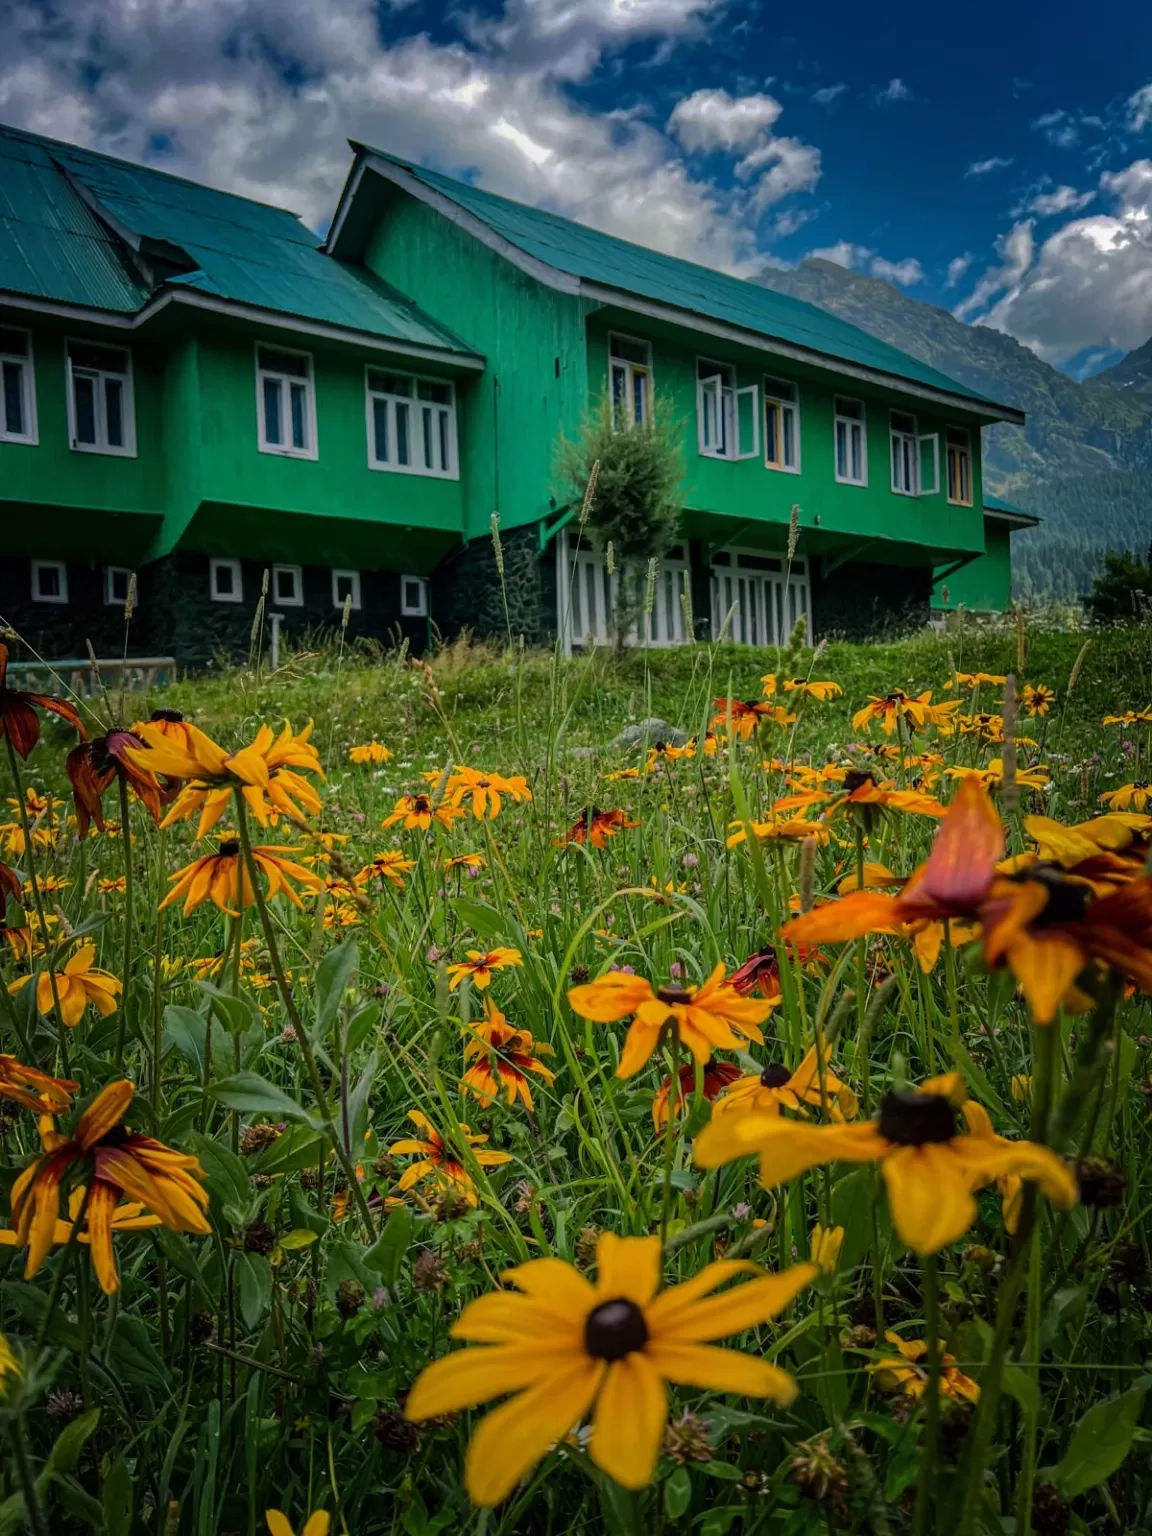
<point x="703" y="1017"/>
<point x="370" y="752"/>
<point x="716" y="1077"/>
<point x="793" y="830"/>
<point x="77" y="985"/>
<point x="33" y="1089"/>
<point x="740" y="717"/>
<point x="906" y="1373"/>
<point x="861" y="793"/>
<point x="18" y="718"/>
<point x="391" y="866"/>
<point x="94" y="764"/>
<point x="596" y="827"/>
<point x="501" y="1057"/>
<point x="917" y="714"/>
<point x="222" y="878"/>
<point x="115" y="1162"/>
<point x="171" y="725"/>
<point x="416" y="813"/>
<point x="437" y="1160"/>
<point x="822" y="692"/>
<point x="480" y="964"/>
<point x="481" y="791"/>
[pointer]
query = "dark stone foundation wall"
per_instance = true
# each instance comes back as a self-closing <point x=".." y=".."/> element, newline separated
<point x="860" y="601"/>
<point x="467" y="591"/>
<point x="177" y="616"/>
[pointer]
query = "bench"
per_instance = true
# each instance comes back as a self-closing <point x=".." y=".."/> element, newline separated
<point x="128" y="672"/>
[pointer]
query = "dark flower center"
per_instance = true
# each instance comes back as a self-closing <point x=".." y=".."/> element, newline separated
<point x="1066" y="898"/>
<point x="856" y="778"/>
<point x="229" y="848"/>
<point x="172" y="716"/>
<point x="674" y="995"/>
<point x="1140" y="784"/>
<point x="116" y="1137"/>
<point x="775" y="1076"/>
<point x="421" y="803"/>
<point x="615" y="1329"/>
<point x="914" y="1119"/>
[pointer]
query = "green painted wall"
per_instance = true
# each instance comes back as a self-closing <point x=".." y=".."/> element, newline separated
<point x="536" y="383"/>
<point x="984" y="586"/>
<point x="833" y="514"/>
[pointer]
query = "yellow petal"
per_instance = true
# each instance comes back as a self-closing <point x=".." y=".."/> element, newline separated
<point x="929" y="1195"/>
<point x="317" y="1524"/>
<point x="721" y="1370"/>
<point x="505" y="1318"/>
<point x="278" y="1524"/>
<point x="627" y="1267"/>
<point x="732" y="1311"/>
<point x="514" y="1437"/>
<point x="631" y="1413"/>
<point x="472" y="1376"/>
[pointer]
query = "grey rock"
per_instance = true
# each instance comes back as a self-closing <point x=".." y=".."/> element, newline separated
<point x="650" y="731"/>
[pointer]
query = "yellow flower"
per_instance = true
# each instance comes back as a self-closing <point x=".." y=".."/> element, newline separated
<point x="703" y="1017"/>
<point x="917" y="714"/>
<point x="480" y="964"/>
<point x="390" y="866"/>
<point x="465" y="861"/>
<point x="1129" y="797"/>
<point x="1037" y="698"/>
<point x="77" y="985"/>
<point x="9" y="1365"/>
<point x="567" y="1348"/>
<point x="1021" y="1086"/>
<point x="781" y="831"/>
<point x="976" y="679"/>
<point x="993" y="775"/>
<point x="776" y="1088"/>
<point x="824" y="1244"/>
<point x="821" y="691"/>
<point x="371" y="752"/>
<point x="280" y="1525"/>
<point x="500" y="1056"/>
<point x="481" y="792"/>
<point x="222" y="878"/>
<point x="417" y="813"/>
<point x="437" y="1160"/>
<point x="116" y="886"/>
<point x="906" y="1374"/>
<point x="930" y="1166"/>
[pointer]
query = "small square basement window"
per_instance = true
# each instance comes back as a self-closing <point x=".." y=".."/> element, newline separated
<point x="413" y="597"/>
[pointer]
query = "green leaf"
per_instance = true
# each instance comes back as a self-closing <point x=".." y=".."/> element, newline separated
<point x="485" y="921"/>
<point x="299" y="1237"/>
<point x="298" y="1147"/>
<point x="1023" y="1387"/>
<point x="387" y="1253"/>
<point x="237" y="1014"/>
<point x="723" y="1470"/>
<point x="185" y="1031"/>
<point x="253" y="1286"/>
<point x="677" y="1493"/>
<point x="358" y="1105"/>
<point x="251" y="1094"/>
<point x="225" y="1176"/>
<point x="116" y="1497"/>
<point x="134" y="1356"/>
<point x="69" y="1443"/>
<point x="334" y="976"/>
<point x="1100" y="1441"/>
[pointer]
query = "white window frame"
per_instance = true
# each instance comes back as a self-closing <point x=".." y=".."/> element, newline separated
<point x="26" y="363"/>
<point x="631" y="371"/>
<point x="966" y="449"/>
<point x="311" y="449"/>
<point x="126" y="450"/>
<point x="237" y="594"/>
<point x="849" y="422"/>
<point x="909" y="454"/>
<point x="420" y="611"/>
<point x="768" y="602"/>
<point x="49" y="565"/>
<point x="297" y="574"/>
<point x="415" y="427"/>
<point x="353" y="579"/>
<point x="725" y="397"/>
<point x="782" y="405"/>
<point x="110" y="573"/>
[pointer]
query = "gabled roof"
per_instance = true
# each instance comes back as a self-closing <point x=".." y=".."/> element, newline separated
<point x="83" y="229"/>
<point x="1004" y="512"/>
<point x="604" y="267"/>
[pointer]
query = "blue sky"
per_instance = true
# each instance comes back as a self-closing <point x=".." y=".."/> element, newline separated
<point x="995" y="158"/>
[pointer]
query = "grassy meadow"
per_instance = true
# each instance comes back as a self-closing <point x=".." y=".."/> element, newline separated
<point x="420" y="1123"/>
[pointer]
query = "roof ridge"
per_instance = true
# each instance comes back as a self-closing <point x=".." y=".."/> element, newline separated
<point x="139" y="165"/>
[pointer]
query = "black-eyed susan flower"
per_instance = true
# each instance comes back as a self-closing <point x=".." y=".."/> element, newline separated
<point x="465" y="861"/>
<point x="35" y="1090"/>
<point x="279" y="1524"/>
<point x="714" y="1078"/>
<point x="1130" y="717"/>
<point x="776" y="1088"/>
<point x="93" y="765"/>
<point x="907" y="1371"/>
<point x="438" y="1162"/>
<point x="391" y="866"/>
<point x="129" y="1216"/>
<point x="1136" y="796"/>
<point x="991" y="776"/>
<point x="370" y="752"/>
<point x="480" y="964"/>
<point x="77" y="985"/>
<point x="501" y="1058"/>
<point x="1036" y="698"/>
<point x="759" y="973"/>
<point x="742" y="717"/>
<point x="222" y="878"/>
<point x="482" y="793"/>
<point x="112" y="885"/>
<point x="977" y="680"/>
<point x="712" y="1016"/>
<point x="781" y="830"/>
<point x="860" y="793"/>
<point x="929" y="1163"/>
<point x="915" y="713"/>
<point x="824" y="1245"/>
<point x="416" y="813"/>
<point x="567" y="1347"/>
<point x="170" y="724"/>
<point x="812" y="688"/>
<point x="114" y="1162"/>
<point x="596" y="826"/>
<point x="18" y="718"/>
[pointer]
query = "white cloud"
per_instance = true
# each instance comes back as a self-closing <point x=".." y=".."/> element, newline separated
<point x="895" y="90"/>
<point x="1087" y="286"/>
<point x="1060" y="200"/>
<point x="1140" y="108"/>
<point x="1059" y="128"/>
<point x="982" y="167"/>
<point x="713" y="120"/>
<point x="906" y="272"/>
<point x="259" y="96"/>
<point x="828" y="93"/>
<point x="957" y="268"/>
<point x="843" y="253"/>
<point x="790" y="220"/>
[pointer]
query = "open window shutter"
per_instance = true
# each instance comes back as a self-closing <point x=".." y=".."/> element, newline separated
<point x="708" y="408"/>
<point x="748" y="422"/>
<point x="929" y="449"/>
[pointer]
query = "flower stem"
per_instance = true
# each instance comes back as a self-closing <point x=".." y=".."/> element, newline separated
<point x="297" y="1022"/>
<point x="126" y="970"/>
<point x="930" y="1454"/>
<point x="16" y="1433"/>
<point x="673" y="1108"/>
<point x="38" y="899"/>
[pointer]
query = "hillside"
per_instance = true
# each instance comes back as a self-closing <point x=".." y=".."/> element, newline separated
<point x="1083" y="462"/>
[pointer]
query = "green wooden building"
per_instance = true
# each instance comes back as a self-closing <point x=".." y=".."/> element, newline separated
<point x="197" y="390"/>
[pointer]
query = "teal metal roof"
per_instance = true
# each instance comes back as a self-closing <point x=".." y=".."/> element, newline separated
<point x="586" y="253"/>
<point x="53" y="245"/>
<point x="998" y="504"/>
